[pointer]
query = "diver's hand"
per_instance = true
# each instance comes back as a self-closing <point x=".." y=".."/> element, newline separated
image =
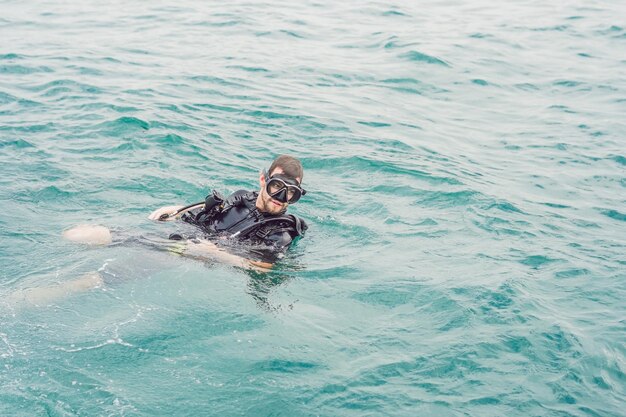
<point x="162" y="212"/>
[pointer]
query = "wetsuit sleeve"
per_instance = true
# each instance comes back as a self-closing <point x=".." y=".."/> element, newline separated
<point x="191" y="216"/>
<point x="202" y="216"/>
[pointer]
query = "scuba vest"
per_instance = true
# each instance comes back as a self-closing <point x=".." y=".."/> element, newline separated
<point x="237" y="216"/>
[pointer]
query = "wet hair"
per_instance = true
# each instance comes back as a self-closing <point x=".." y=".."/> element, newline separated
<point x="292" y="167"/>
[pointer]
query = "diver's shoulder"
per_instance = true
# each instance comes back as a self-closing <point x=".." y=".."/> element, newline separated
<point x="241" y="197"/>
<point x="243" y="194"/>
<point x="297" y="224"/>
<point x="301" y="225"/>
<point x="240" y="192"/>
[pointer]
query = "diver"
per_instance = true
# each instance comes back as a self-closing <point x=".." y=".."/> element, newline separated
<point x="248" y="229"/>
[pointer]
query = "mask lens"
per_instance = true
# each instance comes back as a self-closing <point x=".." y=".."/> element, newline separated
<point x="290" y="193"/>
<point x="275" y="186"/>
<point x="293" y="194"/>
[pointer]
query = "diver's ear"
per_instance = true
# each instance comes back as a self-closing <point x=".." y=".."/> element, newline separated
<point x="262" y="179"/>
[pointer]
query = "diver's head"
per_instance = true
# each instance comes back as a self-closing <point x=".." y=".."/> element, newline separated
<point x="280" y="185"/>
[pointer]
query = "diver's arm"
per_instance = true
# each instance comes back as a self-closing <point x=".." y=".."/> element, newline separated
<point x="164" y="211"/>
<point x="204" y="249"/>
<point x="168" y="213"/>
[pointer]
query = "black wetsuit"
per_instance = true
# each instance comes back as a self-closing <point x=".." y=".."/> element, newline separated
<point x="265" y="236"/>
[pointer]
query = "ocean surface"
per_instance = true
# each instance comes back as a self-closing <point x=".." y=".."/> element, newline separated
<point x="465" y="163"/>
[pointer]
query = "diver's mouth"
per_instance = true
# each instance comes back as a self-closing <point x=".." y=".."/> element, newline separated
<point x="276" y="203"/>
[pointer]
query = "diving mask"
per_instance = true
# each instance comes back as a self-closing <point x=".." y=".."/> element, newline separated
<point x="282" y="188"/>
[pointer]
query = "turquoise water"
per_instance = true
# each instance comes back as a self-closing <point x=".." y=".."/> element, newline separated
<point x="466" y="169"/>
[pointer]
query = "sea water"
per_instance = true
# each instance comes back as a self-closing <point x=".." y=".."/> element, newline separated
<point x="466" y="170"/>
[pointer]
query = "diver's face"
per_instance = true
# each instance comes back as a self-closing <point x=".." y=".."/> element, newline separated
<point x="264" y="202"/>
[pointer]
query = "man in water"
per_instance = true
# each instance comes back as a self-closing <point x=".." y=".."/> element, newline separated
<point x="249" y="229"/>
<point x="256" y="220"/>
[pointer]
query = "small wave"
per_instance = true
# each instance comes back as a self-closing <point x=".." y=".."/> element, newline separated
<point x="498" y="226"/>
<point x="449" y="198"/>
<point x="537" y="261"/>
<point x="390" y="145"/>
<point x="401" y="81"/>
<point x="227" y="109"/>
<point x="105" y="106"/>
<point x="421" y="57"/>
<point x="50" y="193"/>
<point x="136" y="51"/>
<point x="56" y="87"/>
<point x="572" y="273"/>
<point x="7" y="98"/>
<point x="216" y="80"/>
<point x="612" y="30"/>
<point x="23" y="70"/>
<point x="496" y="299"/>
<point x="275" y="115"/>
<point x="292" y="34"/>
<point x="248" y="69"/>
<point x="124" y="124"/>
<point x="614" y="214"/>
<point x="411" y="85"/>
<point x="503" y="206"/>
<point x="285" y="366"/>
<point x="29" y="128"/>
<point x="170" y="139"/>
<point x="129" y="145"/>
<point x="11" y="56"/>
<point x="143" y="92"/>
<point x="567" y="83"/>
<point x="281" y="32"/>
<point x="527" y="87"/>
<point x="18" y="143"/>
<point x="393" y="43"/>
<point x="375" y="124"/>
<point x="87" y="70"/>
<point x="555" y="28"/>
<point x="319" y="274"/>
<point x="619" y="159"/>
<point x="479" y="35"/>
<point x="563" y="108"/>
<point x="394" y="13"/>
<point x="116" y="341"/>
<point x="222" y="24"/>
<point x="388" y="297"/>
<point x="556" y="205"/>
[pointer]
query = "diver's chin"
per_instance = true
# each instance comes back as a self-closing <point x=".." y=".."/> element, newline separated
<point x="274" y="206"/>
